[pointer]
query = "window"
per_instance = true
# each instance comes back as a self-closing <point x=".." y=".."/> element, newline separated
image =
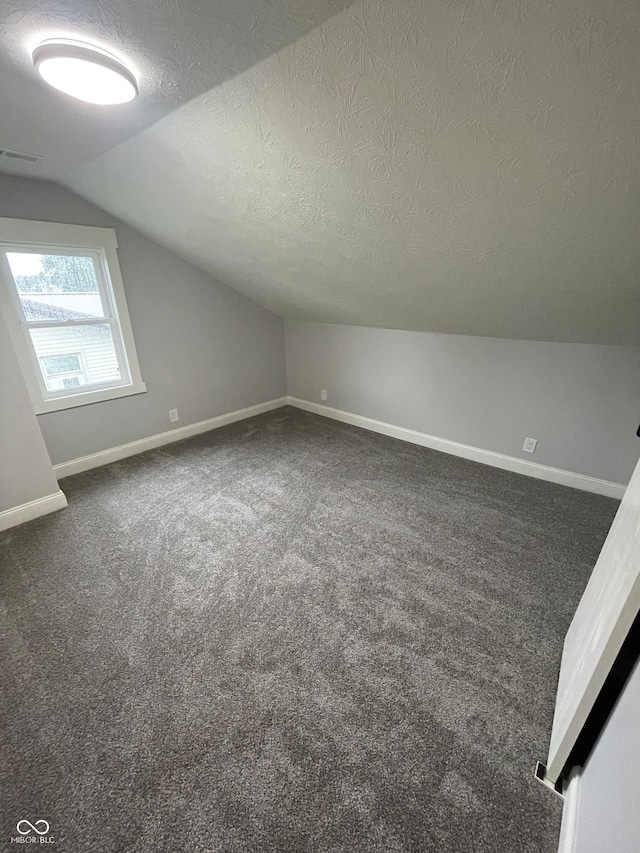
<point x="63" y="371"/>
<point x="54" y="365"/>
<point x="66" y="310"/>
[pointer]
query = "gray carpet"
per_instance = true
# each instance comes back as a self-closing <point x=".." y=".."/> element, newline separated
<point x="290" y="635"/>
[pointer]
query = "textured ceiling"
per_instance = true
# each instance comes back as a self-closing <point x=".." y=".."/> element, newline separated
<point x="177" y="48"/>
<point x="458" y="167"/>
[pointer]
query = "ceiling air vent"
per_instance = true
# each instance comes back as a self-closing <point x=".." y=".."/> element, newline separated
<point x="19" y="155"/>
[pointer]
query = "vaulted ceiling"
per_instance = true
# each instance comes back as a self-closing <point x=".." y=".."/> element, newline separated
<point x="458" y="167"/>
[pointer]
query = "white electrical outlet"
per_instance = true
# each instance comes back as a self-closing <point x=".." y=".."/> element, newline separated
<point x="323" y="395"/>
<point x="174" y="416"/>
<point x="530" y="445"/>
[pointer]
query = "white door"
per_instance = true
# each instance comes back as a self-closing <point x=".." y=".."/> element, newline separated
<point x="606" y="611"/>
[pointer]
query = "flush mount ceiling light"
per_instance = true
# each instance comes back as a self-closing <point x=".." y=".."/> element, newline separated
<point x="84" y="71"/>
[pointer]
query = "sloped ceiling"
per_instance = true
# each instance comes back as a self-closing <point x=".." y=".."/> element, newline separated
<point x="178" y="49"/>
<point x="457" y="167"/>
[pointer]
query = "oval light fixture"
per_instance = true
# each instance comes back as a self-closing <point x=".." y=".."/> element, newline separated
<point x="84" y="71"/>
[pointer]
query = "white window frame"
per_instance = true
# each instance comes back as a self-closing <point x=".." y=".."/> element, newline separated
<point x="57" y="238"/>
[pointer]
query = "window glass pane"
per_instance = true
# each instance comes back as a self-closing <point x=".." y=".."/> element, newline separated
<point x="56" y="287"/>
<point x="55" y="364"/>
<point x="88" y="352"/>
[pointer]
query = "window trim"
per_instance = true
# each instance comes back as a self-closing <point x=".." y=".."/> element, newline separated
<point x="32" y="234"/>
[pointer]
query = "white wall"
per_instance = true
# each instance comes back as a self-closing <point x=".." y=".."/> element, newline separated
<point x="26" y="473"/>
<point x="203" y="348"/>
<point x="581" y="401"/>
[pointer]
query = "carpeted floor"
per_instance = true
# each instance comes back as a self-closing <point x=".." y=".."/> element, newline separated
<point x="290" y="635"/>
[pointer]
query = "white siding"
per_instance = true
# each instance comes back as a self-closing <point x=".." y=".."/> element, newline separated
<point x="94" y="345"/>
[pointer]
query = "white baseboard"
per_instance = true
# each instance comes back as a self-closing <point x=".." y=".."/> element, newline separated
<point x="466" y="451"/>
<point x="33" y="509"/>
<point x="113" y="454"/>
<point x="569" y="828"/>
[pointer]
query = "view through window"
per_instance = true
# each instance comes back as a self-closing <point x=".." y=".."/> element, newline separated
<point x="61" y="301"/>
<point x="65" y="315"/>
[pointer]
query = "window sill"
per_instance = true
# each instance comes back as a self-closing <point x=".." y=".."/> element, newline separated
<point x="73" y="401"/>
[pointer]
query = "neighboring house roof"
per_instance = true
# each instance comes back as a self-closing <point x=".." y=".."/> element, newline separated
<point x="40" y="311"/>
